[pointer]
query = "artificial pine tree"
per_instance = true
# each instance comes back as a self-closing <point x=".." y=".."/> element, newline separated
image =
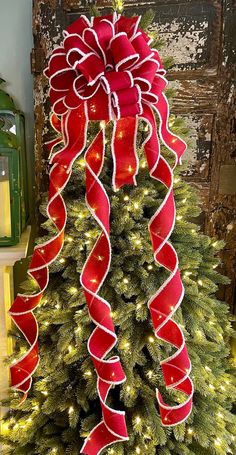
<point x="63" y="406"/>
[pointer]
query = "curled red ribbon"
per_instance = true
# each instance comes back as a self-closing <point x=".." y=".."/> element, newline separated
<point x="106" y="70"/>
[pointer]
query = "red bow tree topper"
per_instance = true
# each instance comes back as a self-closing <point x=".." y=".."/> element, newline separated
<point x="106" y="70"/>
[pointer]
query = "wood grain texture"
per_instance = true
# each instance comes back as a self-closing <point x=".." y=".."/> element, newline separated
<point x="221" y="213"/>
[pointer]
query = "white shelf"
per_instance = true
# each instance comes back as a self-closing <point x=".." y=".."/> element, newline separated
<point x="8" y="257"/>
<point x="10" y="254"/>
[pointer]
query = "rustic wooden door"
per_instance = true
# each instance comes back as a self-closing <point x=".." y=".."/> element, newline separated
<point x="199" y="35"/>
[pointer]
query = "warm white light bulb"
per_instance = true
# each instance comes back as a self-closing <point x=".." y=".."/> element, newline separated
<point x="217" y="442"/>
<point x="82" y="163"/>
<point x="187" y="273"/>
<point x="102" y="124"/>
<point x="151" y="340"/>
<point x="150" y="374"/>
<point x="73" y="290"/>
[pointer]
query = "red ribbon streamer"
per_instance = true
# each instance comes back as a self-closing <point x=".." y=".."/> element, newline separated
<point x="103" y="339"/>
<point x="105" y="70"/>
<point x="164" y="303"/>
<point x="22" y="308"/>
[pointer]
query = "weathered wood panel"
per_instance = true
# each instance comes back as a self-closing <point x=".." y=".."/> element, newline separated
<point x="198" y="154"/>
<point x="221" y="213"/>
<point x="199" y="35"/>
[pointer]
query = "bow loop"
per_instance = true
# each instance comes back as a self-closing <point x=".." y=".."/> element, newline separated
<point x="144" y="75"/>
<point x="123" y="52"/>
<point x="109" y="17"/>
<point x="58" y="104"/>
<point x="72" y="100"/>
<point x="99" y="37"/>
<point x="156" y="57"/>
<point x="62" y="75"/>
<point x="127" y="102"/>
<point x="92" y="67"/>
<point x="141" y="47"/>
<point x="117" y="80"/>
<point x="78" y="26"/>
<point x="127" y="96"/>
<point x="158" y="85"/>
<point x="75" y="48"/>
<point x="129" y="25"/>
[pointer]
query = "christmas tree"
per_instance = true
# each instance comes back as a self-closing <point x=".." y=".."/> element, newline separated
<point x="63" y="406"/>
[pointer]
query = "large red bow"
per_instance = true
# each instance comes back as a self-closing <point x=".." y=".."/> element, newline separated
<point x="109" y="63"/>
<point x="106" y="70"/>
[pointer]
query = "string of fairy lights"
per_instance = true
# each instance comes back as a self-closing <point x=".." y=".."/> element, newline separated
<point x="138" y="422"/>
<point x="12" y="424"/>
<point x="125" y="345"/>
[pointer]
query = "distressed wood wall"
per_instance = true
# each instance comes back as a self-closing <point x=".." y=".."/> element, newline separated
<point x="200" y="37"/>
